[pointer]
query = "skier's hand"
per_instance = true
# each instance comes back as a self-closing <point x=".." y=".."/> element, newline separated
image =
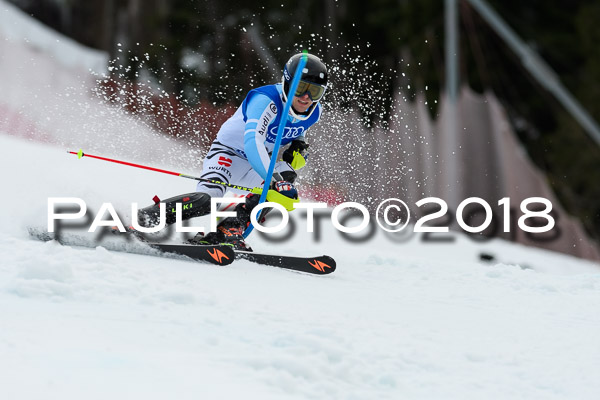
<point x="296" y="154"/>
<point x="285" y="188"/>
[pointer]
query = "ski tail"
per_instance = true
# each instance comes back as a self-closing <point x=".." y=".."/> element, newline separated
<point x="217" y="254"/>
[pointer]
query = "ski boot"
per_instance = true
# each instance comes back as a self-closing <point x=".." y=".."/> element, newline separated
<point x="231" y="229"/>
<point x="229" y="232"/>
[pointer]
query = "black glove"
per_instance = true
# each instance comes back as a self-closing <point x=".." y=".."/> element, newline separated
<point x="299" y="146"/>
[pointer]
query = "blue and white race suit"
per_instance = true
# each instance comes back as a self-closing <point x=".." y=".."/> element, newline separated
<point x="241" y="152"/>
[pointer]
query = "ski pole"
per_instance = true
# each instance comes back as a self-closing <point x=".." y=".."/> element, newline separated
<point x="280" y="129"/>
<point x="255" y="190"/>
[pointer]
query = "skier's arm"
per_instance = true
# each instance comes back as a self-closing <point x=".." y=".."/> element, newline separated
<point x="296" y="154"/>
<point x="260" y="112"/>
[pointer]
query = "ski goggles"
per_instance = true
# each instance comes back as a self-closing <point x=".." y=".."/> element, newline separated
<point x="315" y="92"/>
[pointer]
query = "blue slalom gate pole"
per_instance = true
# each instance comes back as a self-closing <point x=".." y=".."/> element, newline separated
<point x="280" y="129"/>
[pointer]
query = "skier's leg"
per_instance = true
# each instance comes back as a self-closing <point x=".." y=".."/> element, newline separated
<point x="285" y="172"/>
<point x="231" y="229"/>
<point x="192" y="205"/>
<point x="221" y="164"/>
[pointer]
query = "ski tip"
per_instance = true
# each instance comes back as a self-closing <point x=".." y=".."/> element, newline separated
<point x="323" y="265"/>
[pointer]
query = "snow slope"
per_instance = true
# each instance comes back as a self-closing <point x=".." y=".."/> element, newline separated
<point x="409" y="320"/>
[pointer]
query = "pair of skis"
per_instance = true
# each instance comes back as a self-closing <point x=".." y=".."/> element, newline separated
<point x="219" y="254"/>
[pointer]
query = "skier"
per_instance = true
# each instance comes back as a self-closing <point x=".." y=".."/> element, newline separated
<point x="241" y="152"/>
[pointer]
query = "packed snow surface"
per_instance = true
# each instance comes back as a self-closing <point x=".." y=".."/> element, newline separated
<point x="408" y="320"/>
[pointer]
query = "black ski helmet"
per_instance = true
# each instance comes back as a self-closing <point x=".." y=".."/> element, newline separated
<point x="313" y="81"/>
